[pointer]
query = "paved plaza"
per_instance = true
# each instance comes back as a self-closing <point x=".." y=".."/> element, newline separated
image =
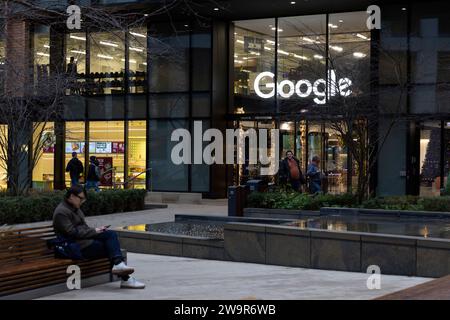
<point x="169" y="277"/>
<point x="185" y="278"/>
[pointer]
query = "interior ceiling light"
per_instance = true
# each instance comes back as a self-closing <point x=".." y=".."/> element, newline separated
<point x="359" y="35"/>
<point x="359" y="54"/>
<point x="336" y="48"/>
<point x="77" y="38"/>
<point x="110" y="44"/>
<point x="138" y="34"/>
<point x="318" y="56"/>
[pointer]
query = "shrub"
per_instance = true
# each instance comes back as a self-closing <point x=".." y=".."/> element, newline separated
<point x="435" y="204"/>
<point x="40" y="206"/>
<point x="299" y="201"/>
<point x="292" y="200"/>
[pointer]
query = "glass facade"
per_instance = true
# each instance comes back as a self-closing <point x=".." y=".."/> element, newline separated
<point x="137" y="147"/>
<point x="112" y="102"/>
<point x="288" y="69"/>
<point x="75" y="142"/>
<point x="130" y="89"/>
<point x="44" y="155"/>
<point x="41" y="56"/>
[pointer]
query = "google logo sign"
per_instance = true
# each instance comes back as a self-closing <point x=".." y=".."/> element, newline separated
<point x="304" y="88"/>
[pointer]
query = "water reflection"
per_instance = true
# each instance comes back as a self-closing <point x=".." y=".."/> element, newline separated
<point x="427" y="228"/>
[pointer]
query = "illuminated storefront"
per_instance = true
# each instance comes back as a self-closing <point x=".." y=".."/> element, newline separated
<point x="280" y="71"/>
<point x="259" y="67"/>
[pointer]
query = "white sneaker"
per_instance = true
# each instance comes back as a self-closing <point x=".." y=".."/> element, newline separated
<point x="132" y="283"/>
<point x="122" y="269"/>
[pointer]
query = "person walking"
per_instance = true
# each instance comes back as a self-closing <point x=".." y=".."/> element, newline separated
<point x="75" y="169"/>
<point x="315" y="176"/>
<point x="91" y="243"/>
<point x="291" y="172"/>
<point x="93" y="176"/>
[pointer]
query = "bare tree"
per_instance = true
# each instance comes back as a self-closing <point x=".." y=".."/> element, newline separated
<point x="350" y="105"/>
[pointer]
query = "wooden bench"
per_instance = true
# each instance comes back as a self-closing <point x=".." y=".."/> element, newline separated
<point x="27" y="263"/>
<point x="437" y="289"/>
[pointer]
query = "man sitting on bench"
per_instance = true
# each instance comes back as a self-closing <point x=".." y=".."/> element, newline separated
<point x="69" y="223"/>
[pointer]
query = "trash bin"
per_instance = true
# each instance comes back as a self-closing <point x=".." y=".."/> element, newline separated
<point x="237" y="198"/>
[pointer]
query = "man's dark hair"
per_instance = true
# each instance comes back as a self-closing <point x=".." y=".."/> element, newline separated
<point x="315" y="158"/>
<point x="290" y="152"/>
<point x="76" y="190"/>
<point x="74" y="154"/>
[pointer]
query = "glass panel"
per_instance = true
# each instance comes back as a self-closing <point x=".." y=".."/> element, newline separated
<point x="41" y="55"/>
<point x="254" y="53"/>
<point x="201" y="59"/>
<point x="3" y="156"/>
<point x="75" y="142"/>
<point x="301" y="62"/>
<point x="169" y="57"/>
<point x="169" y="105"/>
<point x="430" y="155"/>
<point x="166" y="176"/>
<point x="287" y="138"/>
<point x="200" y="172"/>
<point x="107" y="63"/>
<point x="137" y="106"/>
<point x="301" y="145"/>
<point x="107" y="143"/>
<point x="249" y="171"/>
<point x="315" y="142"/>
<point x="430" y="61"/>
<point x="106" y="107"/>
<point x="137" y="142"/>
<point x="201" y="103"/>
<point x="335" y="161"/>
<point x="44" y="143"/>
<point x="74" y="107"/>
<point x="393" y="59"/>
<point x="349" y="52"/>
<point x="138" y="60"/>
<point x="76" y="62"/>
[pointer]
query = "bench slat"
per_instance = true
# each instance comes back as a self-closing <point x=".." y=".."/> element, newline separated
<point x="40" y="285"/>
<point x="59" y="271"/>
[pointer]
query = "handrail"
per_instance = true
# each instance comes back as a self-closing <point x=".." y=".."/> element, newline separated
<point x="134" y="177"/>
<point x="129" y="179"/>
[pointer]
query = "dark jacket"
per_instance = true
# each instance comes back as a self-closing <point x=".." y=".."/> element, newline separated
<point x="314" y="173"/>
<point x="75" y="168"/>
<point x="70" y="223"/>
<point x="285" y="173"/>
<point x="93" y="173"/>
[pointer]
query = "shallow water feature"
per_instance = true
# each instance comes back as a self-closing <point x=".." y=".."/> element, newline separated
<point x="406" y="226"/>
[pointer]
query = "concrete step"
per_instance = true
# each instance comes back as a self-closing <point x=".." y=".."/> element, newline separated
<point x="173" y="197"/>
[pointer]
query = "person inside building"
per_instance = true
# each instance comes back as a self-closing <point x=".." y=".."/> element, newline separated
<point x="75" y="169"/>
<point x="72" y="76"/>
<point x="91" y="243"/>
<point x="314" y="175"/>
<point x="290" y="171"/>
<point x="93" y="176"/>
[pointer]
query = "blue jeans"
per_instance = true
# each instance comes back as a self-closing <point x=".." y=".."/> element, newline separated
<point x="92" y="185"/>
<point x="75" y="181"/>
<point x="314" y="187"/>
<point x="105" y="245"/>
